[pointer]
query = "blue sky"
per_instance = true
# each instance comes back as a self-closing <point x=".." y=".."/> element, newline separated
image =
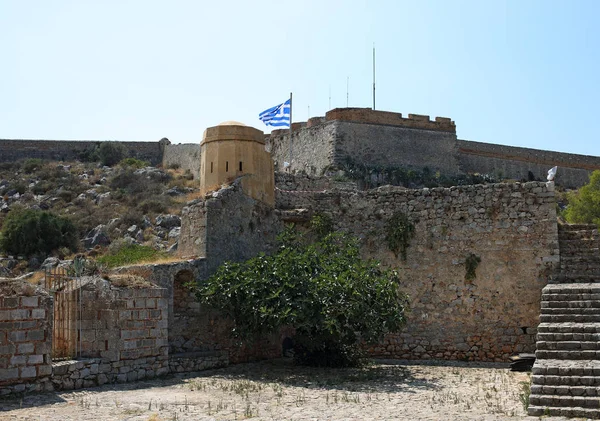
<point x="521" y="73"/>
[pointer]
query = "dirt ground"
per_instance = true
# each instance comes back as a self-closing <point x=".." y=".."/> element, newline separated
<point x="276" y="390"/>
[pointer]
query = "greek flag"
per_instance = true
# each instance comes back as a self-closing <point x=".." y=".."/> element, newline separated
<point x="278" y="116"/>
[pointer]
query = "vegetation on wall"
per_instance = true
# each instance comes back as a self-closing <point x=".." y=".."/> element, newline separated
<point x="399" y="233"/>
<point x="321" y="224"/>
<point x="471" y="263"/>
<point x="584" y="204"/>
<point x="27" y="232"/>
<point x="332" y="297"/>
<point x="371" y="176"/>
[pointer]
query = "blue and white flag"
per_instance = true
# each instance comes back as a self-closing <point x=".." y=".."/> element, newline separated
<point x="278" y="116"/>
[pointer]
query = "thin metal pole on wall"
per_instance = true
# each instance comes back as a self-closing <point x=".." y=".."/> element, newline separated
<point x="373" y="76"/>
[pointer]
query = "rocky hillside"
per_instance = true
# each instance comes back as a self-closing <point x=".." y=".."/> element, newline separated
<point x="127" y="204"/>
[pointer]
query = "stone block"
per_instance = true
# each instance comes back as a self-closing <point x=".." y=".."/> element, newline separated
<point x="44" y="370"/>
<point x="10" y="302"/>
<point x="18" y="336"/>
<point x="29" y="301"/>
<point x="19" y="314"/>
<point x="18" y="360"/>
<point x="36" y="335"/>
<point x="7" y="374"/>
<point x="25" y="348"/>
<point x="28" y="372"/>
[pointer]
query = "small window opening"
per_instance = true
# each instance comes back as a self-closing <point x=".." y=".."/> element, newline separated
<point x="211" y="167"/>
<point x="226" y="166"/>
<point x="240" y="165"/>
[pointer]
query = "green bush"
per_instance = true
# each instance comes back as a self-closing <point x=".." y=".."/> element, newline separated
<point x="110" y="153"/>
<point x="584" y="204"/>
<point x="31" y="164"/>
<point x="333" y="298"/>
<point x="134" y="163"/>
<point x="128" y="255"/>
<point x="29" y="232"/>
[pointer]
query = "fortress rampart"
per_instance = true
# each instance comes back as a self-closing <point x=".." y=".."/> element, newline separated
<point x="380" y="139"/>
<point x="70" y="150"/>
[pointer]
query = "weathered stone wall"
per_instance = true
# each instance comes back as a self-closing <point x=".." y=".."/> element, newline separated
<point x="124" y="330"/>
<point x="228" y="225"/>
<point x="185" y="156"/>
<point x="378" y="139"/>
<point x="70" y="150"/>
<point x="312" y="149"/>
<point x="25" y="337"/>
<point x="510" y="227"/>
<point x="516" y="163"/>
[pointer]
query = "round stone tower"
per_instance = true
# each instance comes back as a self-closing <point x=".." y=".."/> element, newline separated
<point x="231" y="150"/>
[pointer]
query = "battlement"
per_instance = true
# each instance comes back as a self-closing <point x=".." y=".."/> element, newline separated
<point x="369" y="116"/>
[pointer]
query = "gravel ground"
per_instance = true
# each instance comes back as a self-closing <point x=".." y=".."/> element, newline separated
<point x="276" y="390"/>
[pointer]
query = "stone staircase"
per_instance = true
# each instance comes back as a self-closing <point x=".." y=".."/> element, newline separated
<point x="566" y="374"/>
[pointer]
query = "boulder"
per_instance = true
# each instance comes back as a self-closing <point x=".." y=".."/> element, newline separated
<point x="168" y="221"/>
<point x="96" y="237"/>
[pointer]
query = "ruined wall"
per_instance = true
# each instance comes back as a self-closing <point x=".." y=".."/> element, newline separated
<point x="25" y="337"/>
<point x="184" y="156"/>
<point x="516" y="163"/>
<point x="510" y="227"/>
<point x="70" y="150"/>
<point x="227" y="226"/>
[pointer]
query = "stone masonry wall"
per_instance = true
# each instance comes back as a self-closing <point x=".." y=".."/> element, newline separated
<point x="513" y="162"/>
<point x="312" y="149"/>
<point x="510" y="227"/>
<point x="185" y="156"/>
<point x="70" y="150"/>
<point x="25" y="338"/>
<point x="124" y="337"/>
<point x="227" y="226"/>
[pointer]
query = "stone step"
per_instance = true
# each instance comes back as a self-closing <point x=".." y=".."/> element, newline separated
<point x="571" y="412"/>
<point x="550" y="298"/>
<point x="565" y="401"/>
<point x="569" y="303"/>
<point x="577" y="354"/>
<point x="554" y="367"/>
<point x="582" y="311"/>
<point x="574" y="318"/>
<point x="569" y="336"/>
<point x="567" y="345"/>
<point x="575" y="227"/>
<point x="565" y="390"/>
<point x="566" y="380"/>
<point x="568" y="327"/>
<point x="573" y="288"/>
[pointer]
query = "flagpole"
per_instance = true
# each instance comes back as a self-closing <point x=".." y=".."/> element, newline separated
<point x="373" y="76"/>
<point x="291" y="141"/>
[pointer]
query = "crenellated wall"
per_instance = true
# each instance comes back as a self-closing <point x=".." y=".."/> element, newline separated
<point x="378" y="139"/>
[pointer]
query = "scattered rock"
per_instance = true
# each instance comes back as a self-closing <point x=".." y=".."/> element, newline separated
<point x="50" y="262"/>
<point x="174" y="233"/>
<point x="96" y="237"/>
<point x="168" y="221"/>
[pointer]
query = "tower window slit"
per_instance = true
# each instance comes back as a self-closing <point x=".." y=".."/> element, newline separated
<point x="240" y="165"/>
<point x="226" y="166"/>
<point x="211" y="167"/>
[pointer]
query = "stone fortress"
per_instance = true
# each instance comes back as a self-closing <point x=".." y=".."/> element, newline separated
<point x="249" y="195"/>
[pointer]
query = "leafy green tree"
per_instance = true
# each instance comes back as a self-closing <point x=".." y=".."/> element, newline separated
<point x="584" y="204"/>
<point x="334" y="299"/>
<point x="29" y="232"/>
